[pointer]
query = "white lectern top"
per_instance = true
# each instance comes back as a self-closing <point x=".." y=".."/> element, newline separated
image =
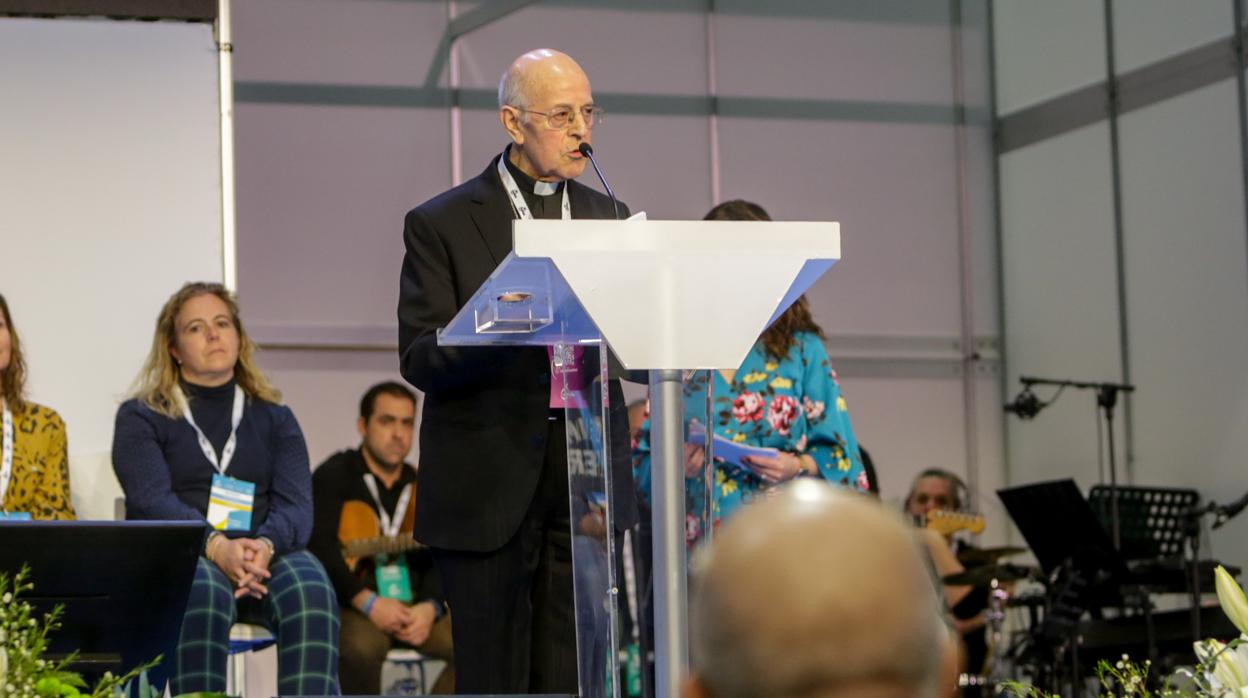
<point x="664" y="294"/>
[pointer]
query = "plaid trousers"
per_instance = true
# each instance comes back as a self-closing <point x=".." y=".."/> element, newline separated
<point x="300" y="608"/>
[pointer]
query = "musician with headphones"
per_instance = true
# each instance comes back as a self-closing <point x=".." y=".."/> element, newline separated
<point x="936" y="489"/>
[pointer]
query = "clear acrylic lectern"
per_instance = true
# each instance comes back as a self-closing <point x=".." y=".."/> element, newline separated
<point x="656" y="293"/>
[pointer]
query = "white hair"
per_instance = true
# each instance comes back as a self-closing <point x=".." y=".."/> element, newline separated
<point x="512" y="89"/>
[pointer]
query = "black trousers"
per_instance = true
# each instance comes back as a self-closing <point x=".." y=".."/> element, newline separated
<point x="515" y="621"/>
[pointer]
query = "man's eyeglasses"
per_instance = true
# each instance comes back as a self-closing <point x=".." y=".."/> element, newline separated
<point x="561" y="117"/>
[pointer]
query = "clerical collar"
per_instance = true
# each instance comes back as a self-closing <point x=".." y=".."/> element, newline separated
<point x="527" y="183"/>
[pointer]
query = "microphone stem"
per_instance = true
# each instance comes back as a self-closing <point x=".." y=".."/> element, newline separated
<point x="615" y="205"/>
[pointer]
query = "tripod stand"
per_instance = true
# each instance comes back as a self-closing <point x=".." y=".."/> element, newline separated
<point x="1027" y="405"/>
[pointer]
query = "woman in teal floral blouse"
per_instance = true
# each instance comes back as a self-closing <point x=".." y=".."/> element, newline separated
<point x="784" y="396"/>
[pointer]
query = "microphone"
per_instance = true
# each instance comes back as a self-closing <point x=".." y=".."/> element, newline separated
<point x="1226" y="512"/>
<point x="1026" y="405"/>
<point x="588" y="151"/>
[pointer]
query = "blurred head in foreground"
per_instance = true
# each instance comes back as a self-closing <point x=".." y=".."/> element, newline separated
<point x="816" y="593"/>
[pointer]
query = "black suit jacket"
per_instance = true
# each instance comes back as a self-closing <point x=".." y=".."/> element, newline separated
<point x="484" y="425"/>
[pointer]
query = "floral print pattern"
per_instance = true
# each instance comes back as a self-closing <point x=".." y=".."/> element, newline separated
<point x="748" y="407"/>
<point x="792" y="404"/>
<point x="781" y="414"/>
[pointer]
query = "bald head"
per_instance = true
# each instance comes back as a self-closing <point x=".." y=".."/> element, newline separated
<point x="531" y="71"/>
<point x="815" y="592"/>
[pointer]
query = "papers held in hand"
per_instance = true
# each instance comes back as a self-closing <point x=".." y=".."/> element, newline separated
<point x="725" y="449"/>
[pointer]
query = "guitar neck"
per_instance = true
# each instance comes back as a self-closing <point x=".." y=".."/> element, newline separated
<point x="948" y="522"/>
<point x="379" y="545"/>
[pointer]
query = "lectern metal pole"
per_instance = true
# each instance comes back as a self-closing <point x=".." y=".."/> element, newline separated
<point x="667" y="438"/>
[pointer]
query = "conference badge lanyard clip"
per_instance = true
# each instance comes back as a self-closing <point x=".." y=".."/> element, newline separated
<point x="6" y="469"/>
<point x="232" y="500"/>
<point x="394" y="581"/>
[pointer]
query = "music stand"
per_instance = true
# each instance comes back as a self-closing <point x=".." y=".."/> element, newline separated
<point x="1084" y="571"/>
<point x="1152" y="520"/>
<point x="1061" y="529"/>
<point x="123" y="585"/>
<point x="1155" y="522"/>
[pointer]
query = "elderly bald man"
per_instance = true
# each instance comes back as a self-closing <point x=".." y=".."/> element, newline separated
<point x="492" y="495"/>
<point x="817" y="593"/>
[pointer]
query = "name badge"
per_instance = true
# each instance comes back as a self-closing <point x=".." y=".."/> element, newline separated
<point x="568" y="377"/>
<point x="393" y="580"/>
<point x="230" y="503"/>
<point x="15" y="516"/>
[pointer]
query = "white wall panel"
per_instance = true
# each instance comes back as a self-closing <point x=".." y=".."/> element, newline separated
<point x="1044" y="49"/>
<point x="323" y="389"/>
<point x="931" y="412"/>
<point x="980" y="218"/>
<point x="622" y="50"/>
<point x="110" y="199"/>
<point x="322" y="192"/>
<point x="1060" y="295"/>
<point x="1187" y="283"/>
<point x="825" y="58"/>
<point x="891" y="187"/>
<point x="980" y="162"/>
<point x="1146" y="31"/>
<point x="485" y="138"/>
<point x="912" y="424"/>
<point x="976" y="54"/>
<point x="360" y="42"/>
<point x="658" y="164"/>
<point x="992" y="475"/>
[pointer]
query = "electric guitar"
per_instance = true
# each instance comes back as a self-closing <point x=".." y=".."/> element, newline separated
<point x="947" y="523"/>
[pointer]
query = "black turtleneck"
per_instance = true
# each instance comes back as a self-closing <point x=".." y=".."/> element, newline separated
<point x="212" y="409"/>
<point x="166" y="476"/>
<point x="543" y="207"/>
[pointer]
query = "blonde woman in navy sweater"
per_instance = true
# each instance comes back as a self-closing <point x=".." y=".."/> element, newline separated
<point x="205" y="438"/>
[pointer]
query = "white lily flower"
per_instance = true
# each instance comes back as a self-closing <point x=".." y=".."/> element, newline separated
<point x="1230" y="667"/>
<point x="1232" y="598"/>
<point x="1238" y="660"/>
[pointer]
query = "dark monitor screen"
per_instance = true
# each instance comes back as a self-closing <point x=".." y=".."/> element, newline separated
<point x="123" y="585"/>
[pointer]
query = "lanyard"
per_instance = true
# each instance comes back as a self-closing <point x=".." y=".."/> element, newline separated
<point x="227" y="453"/>
<point x="389" y="526"/>
<point x="517" y="200"/>
<point x="6" y="465"/>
